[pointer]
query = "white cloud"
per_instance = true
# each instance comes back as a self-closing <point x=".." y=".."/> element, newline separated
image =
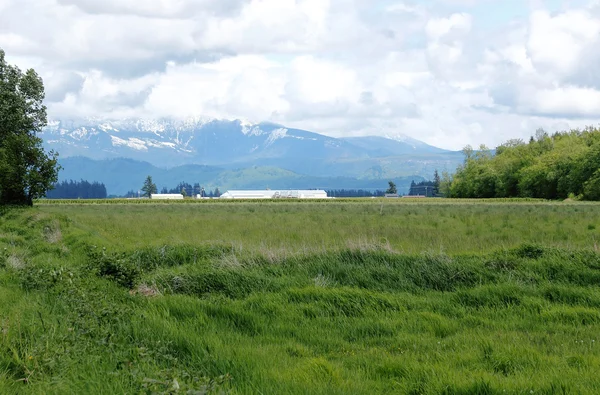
<point x="316" y="81"/>
<point x="402" y="7"/>
<point x="556" y="43"/>
<point x="240" y="87"/>
<point x="564" y="101"/>
<point x="12" y="42"/>
<point x="432" y="70"/>
<point x="155" y="8"/>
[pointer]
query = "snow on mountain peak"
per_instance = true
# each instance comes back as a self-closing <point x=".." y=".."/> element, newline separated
<point x="402" y="138"/>
<point x="134" y="143"/>
<point x="249" y="129"/>
<point x="398" y="137"/>
<point x="192" y="122"/>
<point x="245" y="122"/>
<point x="53" y="125"/>
<point x="276" y="135"/>
<point x="105" y="127"/>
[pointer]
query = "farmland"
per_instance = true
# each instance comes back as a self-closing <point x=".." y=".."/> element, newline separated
<point x="340" y="296"/>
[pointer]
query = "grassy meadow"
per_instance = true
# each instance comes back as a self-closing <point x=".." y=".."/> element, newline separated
<point x="329" y="297"/>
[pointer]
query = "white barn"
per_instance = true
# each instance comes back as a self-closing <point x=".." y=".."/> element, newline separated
<point x="166" y="196"/>
<point x="275" y="194"/>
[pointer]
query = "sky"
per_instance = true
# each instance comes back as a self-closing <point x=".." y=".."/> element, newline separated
<point x="446" y="72"/>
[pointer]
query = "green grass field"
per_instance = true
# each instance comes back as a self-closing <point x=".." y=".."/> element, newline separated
<point x="340" y="296"/>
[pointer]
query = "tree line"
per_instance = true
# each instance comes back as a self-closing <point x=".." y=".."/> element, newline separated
<point x="558" y="166"/>
<point x="425" y="188"/>
<point x="422" y="188"/>
<point x="77" y="190"/>
<point x="184" y="188"/>
<point x="188" y="189"/>
<point x="352" y="193"/>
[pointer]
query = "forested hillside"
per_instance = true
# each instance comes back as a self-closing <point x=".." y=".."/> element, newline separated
<point x="566" y="164"/>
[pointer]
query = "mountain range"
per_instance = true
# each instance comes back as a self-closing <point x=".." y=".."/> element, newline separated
<point x="198" y="148"/>
<point x="123" y="175"/>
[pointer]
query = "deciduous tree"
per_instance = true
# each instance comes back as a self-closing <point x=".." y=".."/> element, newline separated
<point x="27" y="172"/>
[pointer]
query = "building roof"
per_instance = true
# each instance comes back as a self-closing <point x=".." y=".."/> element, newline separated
<point x="166" y="196"/>
<point x="274" y="194"/>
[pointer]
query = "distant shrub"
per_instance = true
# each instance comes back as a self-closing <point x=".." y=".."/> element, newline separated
<point x="38" y="276"/>
<point x="115" y="266"/>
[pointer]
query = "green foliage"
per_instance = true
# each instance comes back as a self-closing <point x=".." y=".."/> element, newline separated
<point x="549" y="167"/>
<point x="392" y="188"/>
<point x="149" y="187"/>
<point x="437" y="182"/>
<point x="26" y="171"/>
<point x="77" y="190"/>
<point x="591" y="188"/>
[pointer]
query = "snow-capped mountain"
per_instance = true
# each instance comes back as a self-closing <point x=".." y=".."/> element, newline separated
<point x="201" y="141"/>
<point x="240" y="144"/>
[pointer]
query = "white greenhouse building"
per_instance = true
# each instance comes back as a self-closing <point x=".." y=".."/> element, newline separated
<point x="166" y="196"/>
<point x="276" y="194"/>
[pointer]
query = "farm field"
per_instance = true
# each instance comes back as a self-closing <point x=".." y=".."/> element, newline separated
<point x="341" y="296"/>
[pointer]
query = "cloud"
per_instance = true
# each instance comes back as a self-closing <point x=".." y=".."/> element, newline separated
<point x="557" y="43"/>
<point x="449" y="72"/>
<point x="157" y="8"/>
<point x="437" y="28"/>
<point x="247" y="86"/>
<point x="565" y="102"/>
<point x="58" y="84"/>
<point x="100" y="94"/>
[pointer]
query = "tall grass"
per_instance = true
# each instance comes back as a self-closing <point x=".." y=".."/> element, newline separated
<point x="319" y="227"/>
<point x="140" y="299"/>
